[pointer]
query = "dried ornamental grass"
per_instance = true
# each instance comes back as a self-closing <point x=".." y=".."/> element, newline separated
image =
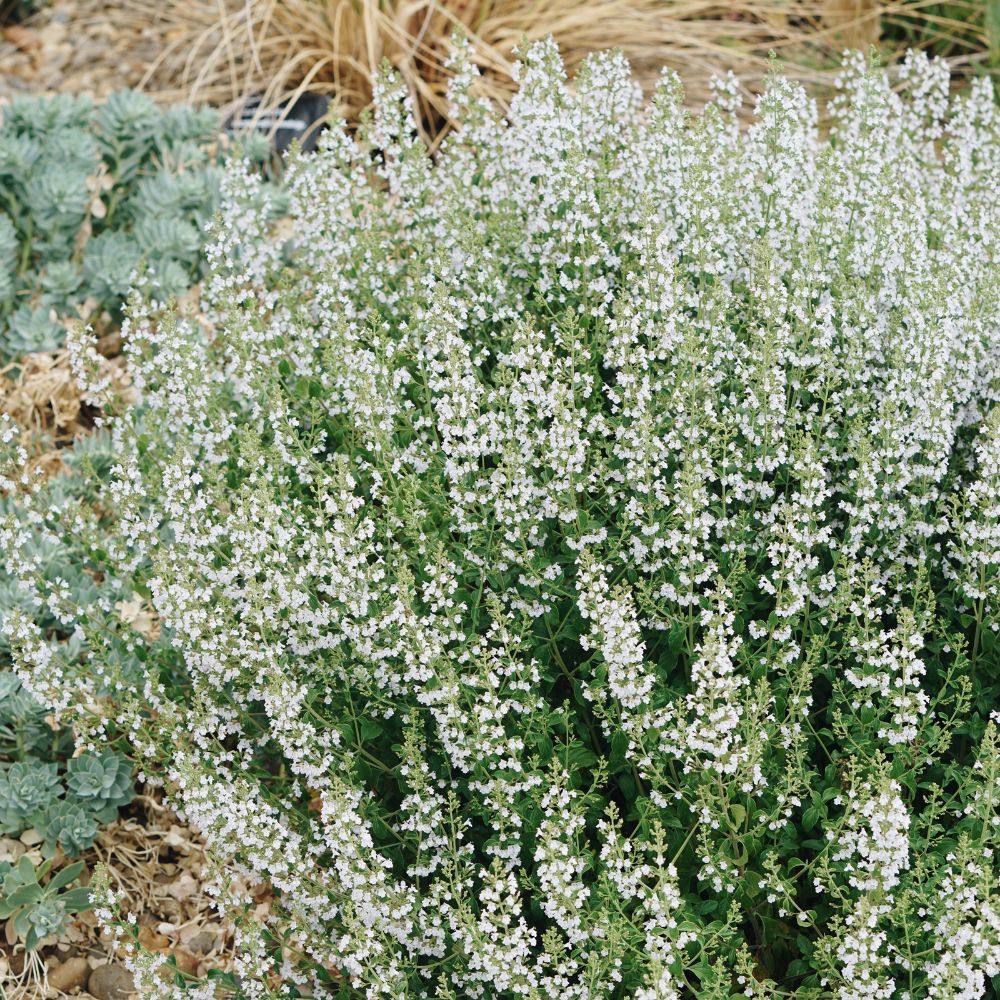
<point x="575" y="556"/>
<point x="220" y="52"/>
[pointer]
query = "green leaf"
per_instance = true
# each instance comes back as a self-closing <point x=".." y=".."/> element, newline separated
<point x="26" y="869"/>
<point x="77" y="899"/>
<point x="26" y="895"/>
<point x="810" y="817"/>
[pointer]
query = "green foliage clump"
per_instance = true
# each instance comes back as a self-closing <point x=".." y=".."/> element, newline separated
<point x="65" y="798"/>
<point x="37" y="908"/>
<point x="575" y="555"/>
<point x="100" y="781"/>
<point x="88" y="195"/>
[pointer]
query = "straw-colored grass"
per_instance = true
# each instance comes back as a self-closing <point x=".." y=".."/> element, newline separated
<point x="217" y="51"/>
<point x="220" y="51"/>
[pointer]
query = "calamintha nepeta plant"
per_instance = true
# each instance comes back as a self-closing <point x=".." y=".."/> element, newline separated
<point x="576" y="553"/>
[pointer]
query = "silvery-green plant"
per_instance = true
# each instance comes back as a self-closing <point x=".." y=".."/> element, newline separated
<point x="70" y="825"/>
<point x="574" y="557"/>
<point x="100" y="782"/>
<point x="43" y="786"/>
<point x="23" y="729"/>
<point x="88" y="196"/>
<point x="37" y="908"/>
<point x="33" y="329"/>
<point x="66" y="807"/>
<point x="27" y="788"/>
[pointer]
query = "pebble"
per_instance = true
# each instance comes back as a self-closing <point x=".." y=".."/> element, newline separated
<point x="111" y="982"/>
<point x="69" y="975"/>
<point x="203" y="942"/>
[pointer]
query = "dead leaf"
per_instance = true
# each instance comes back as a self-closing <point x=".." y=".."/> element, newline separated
<point x="150" y="939"/>
<point x="183" y="887"/>
<point x="140" y="616"/>
<point x="186" y="962"/>
<point x="174" y="838"/>
<point x="82" y="235"/>
<point x="26" y="39"/>
<point x="10" y="850"/>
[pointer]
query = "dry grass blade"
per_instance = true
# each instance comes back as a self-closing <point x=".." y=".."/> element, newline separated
<point x="40" y="392"/>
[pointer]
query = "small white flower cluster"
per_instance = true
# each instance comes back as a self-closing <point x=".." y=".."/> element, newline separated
<point x="706" y="731"/>
<point x="966" y="934"/>
<point x="616" y="636"/>
<point x="874" y="848"/>
<point x="976" y="549"/>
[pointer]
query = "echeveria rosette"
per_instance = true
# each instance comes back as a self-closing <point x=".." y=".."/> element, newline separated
<point x="68" y="825"/>
<point x="31" y="331"/>
<point x="101" y="783"/>
<point x="27" y="788"/>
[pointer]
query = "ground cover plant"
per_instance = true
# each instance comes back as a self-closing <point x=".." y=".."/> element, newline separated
<point x="87" y="194"/>
<point x="54" y="798"/>
<point x="574" y="559"/>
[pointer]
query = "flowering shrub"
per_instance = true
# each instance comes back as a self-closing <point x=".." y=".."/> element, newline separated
<point x="575" y="559"/>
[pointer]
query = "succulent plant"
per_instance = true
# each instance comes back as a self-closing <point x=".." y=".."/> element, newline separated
<point x="44" y="116"/>
<point x="8" y="242"/>
<point x="76" y="148"/>
<point x="35" y="908"/>
<point x="8" y="258"/>
<point x="101" y="782"/>
<point x="60" y="281"/>
<point x="67" y="825"/>
<point x="180" y="125"/>
<point x="18" y="154"/>
<point x="168" y="238"/>
<point x="85" y="194"/>
<point x="32" y="330"/>
<point x="57" y="197"/>
<point x="66" y="808"/>
<point x="168" y="280"/>
<point x="27" y="788"/>
<point x="23" y="731"/>
<point x="108" y="263"/>
<point x="126" y="128"/>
